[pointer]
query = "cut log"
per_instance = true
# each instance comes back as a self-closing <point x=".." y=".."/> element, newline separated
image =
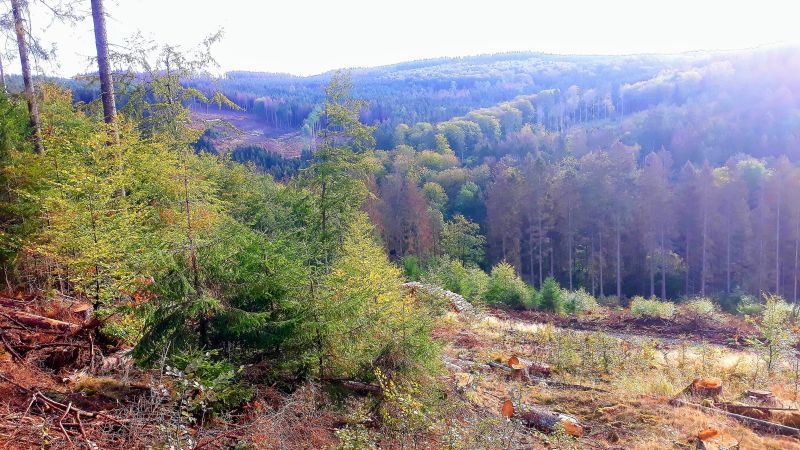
<point x="530" y="367"/>
<point x="33" y="320"/>
<point x="758" y="394"/>
<point x="708" y="434"/>
<point x="706" y="387"/>
<point x="548" y="421"/>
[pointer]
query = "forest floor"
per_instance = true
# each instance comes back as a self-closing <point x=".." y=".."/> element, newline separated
<point x="620" y="379"/>
<point x="60" y="389"/>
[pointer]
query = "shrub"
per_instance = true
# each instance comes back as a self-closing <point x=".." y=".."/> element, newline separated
<point x="699" y="307"/>
<point x="411" y="268"/>
<point x="579" y="302"/>
<point x="506" y="288"/>
<point x="468" y="281"/>
<point x="776" y="325"/>
<point x="206" y="384"/>
<point x="551" y="297"/>
<point x="749" y="306"/>
<point x="653" y="308"/>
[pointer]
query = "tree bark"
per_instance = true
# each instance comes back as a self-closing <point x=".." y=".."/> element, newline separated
<point x="42" y="322"/>
<point x="704" y="252"/>
<point x="103" y="66"/>
<point x="663" y="267"/>
<point x="30" y="94"/>
<point x="2" y="77"/>
<point x="778" y="245"/>
<point x="619" y="261"/>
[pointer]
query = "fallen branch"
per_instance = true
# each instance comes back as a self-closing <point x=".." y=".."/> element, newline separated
<point x="41" y="322"/>
<point x="782" y="429"/>
<point x="356" y="386"/>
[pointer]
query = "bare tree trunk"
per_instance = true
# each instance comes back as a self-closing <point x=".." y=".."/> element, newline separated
<point x="2" y="76"/>
<point x="541" y="255"/>
<point x="103" y="66"/>
<point x="30" y="94"/>
<point x="796" y="254"/>
<point x="569" y="243"/>
<point x="728" y="260"/>
<point x="619" y="261"/>
<point x="778" y="245"/>
<point x="530" y="249"/>
<point x="663" y="267"/>
<point x="600" y="244"/>
<point x="652" y="278"/>
<point x="688" y="265"/>
<point x="704" y="252"/>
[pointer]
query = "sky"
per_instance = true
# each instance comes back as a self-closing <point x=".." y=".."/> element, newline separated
<point x="312" y="36"/>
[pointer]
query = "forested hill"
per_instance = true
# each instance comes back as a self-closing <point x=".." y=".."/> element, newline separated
<point x="436" y="89"/>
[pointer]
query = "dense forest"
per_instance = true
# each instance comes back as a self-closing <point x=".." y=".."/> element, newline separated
<point x="668" y="176"/>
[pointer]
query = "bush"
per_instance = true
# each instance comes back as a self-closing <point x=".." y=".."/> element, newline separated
<point x="749" y="306"/>
<point x="579" y="302"/>
<point x="468" y="281"/>
<point x="551" y="297"/>
<point x="205" y="384"/>
<point x="653" y="308"/>
<point x="699" y="307"/>
<point x="411" y="268"/>
<point x="506" y="288"/>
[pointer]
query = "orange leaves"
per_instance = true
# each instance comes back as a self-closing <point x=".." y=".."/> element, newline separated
<point x="507" y="410"/>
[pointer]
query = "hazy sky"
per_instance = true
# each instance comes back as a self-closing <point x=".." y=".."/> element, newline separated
<point x="308" y="37"/>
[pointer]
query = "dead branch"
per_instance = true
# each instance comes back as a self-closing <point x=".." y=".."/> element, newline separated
<point x="41" y="322"/>
<point x="753" y="422"/>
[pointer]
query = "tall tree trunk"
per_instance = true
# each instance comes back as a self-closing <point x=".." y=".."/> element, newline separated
<point x="728" y="260"/>
<point x="619" y="261"/>
<point x="2" y="76"/>
<point x="541" y="251"/>
<point x="688" y="265"/>
<point x="530" y="250"/>
<point x="600" y="244"/>
<point x="652" y="277"/>
<point x="30" y="94"/>
<point x="663" y="267"/>
<point x="704" y="252"/>
<point x="569" y="243"/>
<point x="103" y="66"/>
<point x="796" y="254"/>
<point x="778" y="245"/>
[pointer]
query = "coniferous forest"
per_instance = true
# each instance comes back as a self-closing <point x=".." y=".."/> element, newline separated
<point x="511" y="250"/>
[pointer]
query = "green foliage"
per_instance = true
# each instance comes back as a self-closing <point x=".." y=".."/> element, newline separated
<point x="404" y="412"/>
<point x="506" y="288"/>
<point x="700" y="308"/>
<point x="337" y="175"/>
<point x="205" y="384"/>
<point x="551" y="297"/>
<point x="461" y="240"/>
<point x="411" y="267"/>
<point x="470" y="282"/>
<point x="579" y="302"/>
<point x="777" y="329"/>
<point x="652" y="308"/>
<point x="16" y="211"/>
<point x="749" y="306"/>
<point x="362" y="318"/>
